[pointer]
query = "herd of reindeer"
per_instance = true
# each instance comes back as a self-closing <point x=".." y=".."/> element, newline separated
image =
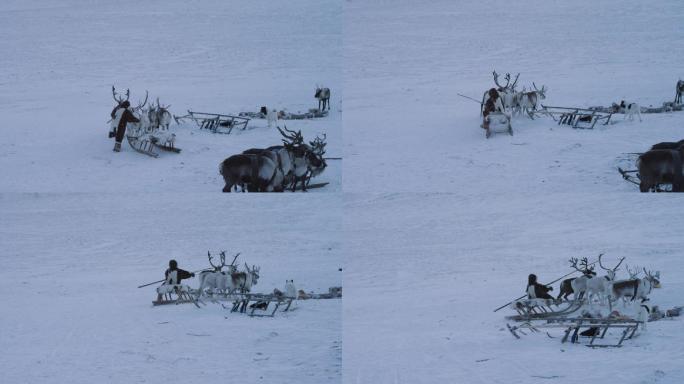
<point x="661" y="165"/>
<point x="606" y="289"/>
<point x="273" y="169"/>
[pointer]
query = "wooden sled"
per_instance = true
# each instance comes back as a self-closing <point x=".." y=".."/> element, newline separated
<point x="260" y="302"/>
<point x="593" y="328"/>
<point x="181" y="298"/>
<point x="216" y="122"/>
<point x="578" y="118"/>
<point x="498" y="122"/>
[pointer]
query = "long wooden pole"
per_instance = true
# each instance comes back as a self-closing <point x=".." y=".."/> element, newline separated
<point x="558" y="279"/>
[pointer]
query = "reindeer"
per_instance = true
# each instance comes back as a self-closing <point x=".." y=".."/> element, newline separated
<point x="577" y="285"/>
<point x="668" y="145"/>
<point x="679" y="89"/>
<point x="323" y="96"/>
<point x="529" y="101"/>
<point x="636" y="288"/>
<point x="259" y="172"/>
<point x="216" y="279"/>
<point x="243" y="281"/>
<point x="159" y="116"/>
<point x="630" y="110"/>
<point x="661" y="166"/>
<point x="509" y="97"/>
<point x="318" y="149"/>
<point x="601" y="287"/>
<point x="303" y="157"/>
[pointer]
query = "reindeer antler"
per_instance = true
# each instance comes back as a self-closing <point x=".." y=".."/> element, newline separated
<point x="515" y="81"/>
<point x="294" y="137"/>
<point x="609" y="269"/>
<point x="496" y="79"/>
<point x="144" y="102"/>
<point x="120" y="99"/>
<point x="632" y="274"/>
<point x="223" y="259"/>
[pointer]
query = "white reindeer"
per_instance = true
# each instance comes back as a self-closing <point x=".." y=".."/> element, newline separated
<point x="216" y="280"/>
<point x="602" y="287"/>
<point x="529" y="101"/>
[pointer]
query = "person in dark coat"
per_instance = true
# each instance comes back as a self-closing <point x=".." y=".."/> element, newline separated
<point x="492" y="104"/>
<point x="536" y="290"/>
<point x="122" y="115"/>
<point x="173" y="276"/>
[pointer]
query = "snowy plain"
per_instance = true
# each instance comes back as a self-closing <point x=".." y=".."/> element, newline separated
<point x="408" y="130"/>
<point x="82" y="226"/>
<point x="457" y="222"/>
<point x="61" y="59"/>
<point x="73" y="313"/>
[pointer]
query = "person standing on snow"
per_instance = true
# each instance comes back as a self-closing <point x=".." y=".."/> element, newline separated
<point x="121" y="116"/>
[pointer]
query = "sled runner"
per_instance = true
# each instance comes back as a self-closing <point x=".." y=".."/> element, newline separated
<point x="216" y="122"/>
<point x="593" y="328"/>
<point x="314" y="185"/>
<point x="533" y="309"/>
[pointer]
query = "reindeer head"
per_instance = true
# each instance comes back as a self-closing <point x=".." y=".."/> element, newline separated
<point x="162" y="108"/>
<point x="541" y="92"/>
<point x="610" y="272"/>
<point x="291" y="137"/>
<point x="583" y="267"/>
<point x="119" y="99"/>
<point x="217" y="268"/>
<point x="318" y="145"/>
<point x="653" y="278"/>
<point x="508" y="87"/>
<point x="633" y="274"/>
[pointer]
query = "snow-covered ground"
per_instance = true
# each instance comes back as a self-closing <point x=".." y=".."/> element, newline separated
<point x="406" y="129"/>
<point x="457" y="222"/>
<point x="72" y="312"/>
<point x="82" y="226"/>
<point x="424" y="273"/>
<point x="60" y="61"/>
<point x="436" y="226"/>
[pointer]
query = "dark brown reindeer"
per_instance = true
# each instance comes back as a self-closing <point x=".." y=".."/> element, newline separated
<point x="668" y="145"/>
<point x="661" y="166"/>
<point x="566" y="287"/>
<point x="323" y="96"/>
<point x="255" y="173"/>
